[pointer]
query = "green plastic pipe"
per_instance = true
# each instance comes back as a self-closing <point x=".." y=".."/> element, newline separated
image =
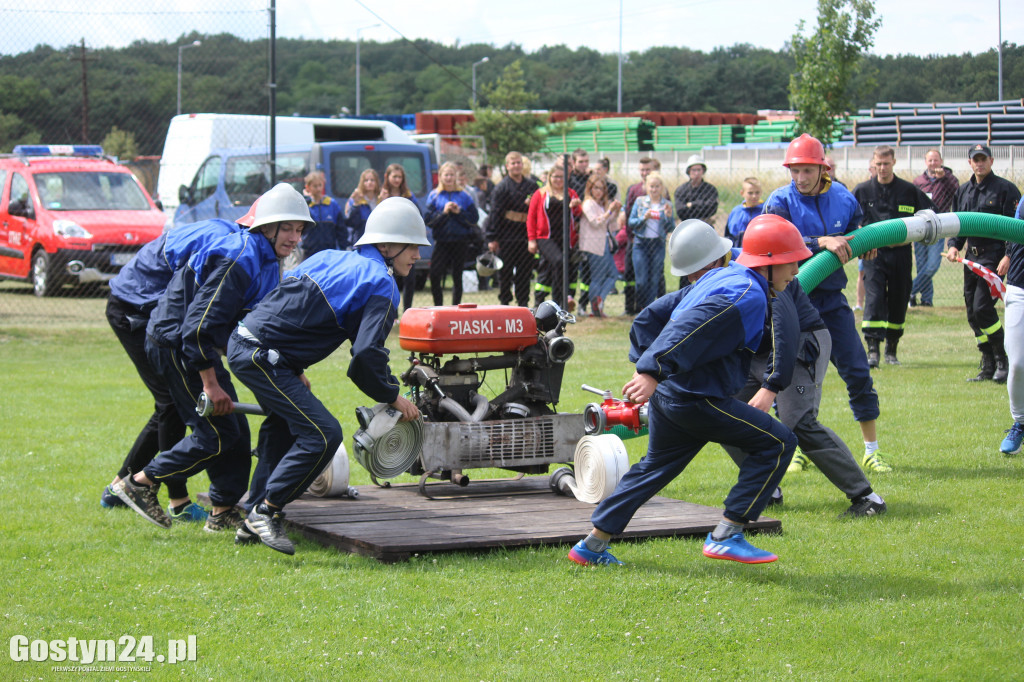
<point x="925" y="226"/>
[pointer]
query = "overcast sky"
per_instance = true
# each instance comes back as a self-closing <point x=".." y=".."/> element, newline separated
<point x="919" y="27"/>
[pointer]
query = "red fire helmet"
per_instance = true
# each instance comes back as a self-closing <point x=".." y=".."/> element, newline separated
<point x="772" y="240"/>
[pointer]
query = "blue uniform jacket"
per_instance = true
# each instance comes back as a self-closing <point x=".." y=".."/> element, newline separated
<point x="143" y="281"/>
<point x="451" y="227"/>
<point x="356" y="216"/>
<point x="831" y="213"/>
<point x="205" y="299"/>
<point x="793" y="315"/>
<point x="739" y="217"/>
<point x="713" y="331"/>
<point x="328" y="298"/>
<point x="330" y="230"/>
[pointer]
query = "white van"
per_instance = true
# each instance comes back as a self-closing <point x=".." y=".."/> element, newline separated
<point x="191" y="138"/>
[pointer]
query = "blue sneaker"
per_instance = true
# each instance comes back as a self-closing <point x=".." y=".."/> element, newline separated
<point x="192" y="513"/>
<point x="585" y="557"/>
<point x="1014" y="436"/>
<point x="108" y="500"/>
<point x="736" y="548"/>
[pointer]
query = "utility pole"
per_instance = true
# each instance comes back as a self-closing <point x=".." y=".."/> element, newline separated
<point x="85" y="92"/>
<point x="273" y="91"/>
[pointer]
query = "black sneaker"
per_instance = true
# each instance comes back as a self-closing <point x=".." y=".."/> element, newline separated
<point x="864" y="506"/>
<point x="268" y="525"/>
<point x="244" y="536"/>
<point x="776" y="499"/>
<point x="228" y="519"/>
<point x="143" y="499"/>
<point x="891" y="359"/>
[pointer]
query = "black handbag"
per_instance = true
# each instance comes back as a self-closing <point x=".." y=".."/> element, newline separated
<point x="613" y="244"/>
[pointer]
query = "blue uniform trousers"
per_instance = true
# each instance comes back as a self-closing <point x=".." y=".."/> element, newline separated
<point x="164" y="427"/>
<point x="677" y="432"/>
<point x="848" y="354"/>
<point x="929" y="258"/>
<point x="298" y="438"/>
<point x="220" y="445"/>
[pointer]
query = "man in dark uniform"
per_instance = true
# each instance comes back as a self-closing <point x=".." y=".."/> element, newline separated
<point x="887" y="277"/>
<point x="985" y="192"/>
<point x="506" y="231"/>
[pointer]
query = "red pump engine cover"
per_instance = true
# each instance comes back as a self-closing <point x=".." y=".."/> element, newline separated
<point x="467" y="328"/>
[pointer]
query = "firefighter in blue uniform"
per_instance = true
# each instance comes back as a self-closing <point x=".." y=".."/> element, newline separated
<point x="689" y="371"/>
<point x="826" y="213"/>
<point x="187" y="332"/>
<point x="331" y="297"/>
<point x="133" y="295"/>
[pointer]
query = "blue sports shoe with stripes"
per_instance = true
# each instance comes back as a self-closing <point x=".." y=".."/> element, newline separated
<point x="586" y="557"/>
<point x="736" y="548"/>
<point x="1014" y="436"/>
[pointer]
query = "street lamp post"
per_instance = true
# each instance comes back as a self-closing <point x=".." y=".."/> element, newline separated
<point x="476" y="64"/>
<point x="358" y="32"/>
<point x="182" y="48"/>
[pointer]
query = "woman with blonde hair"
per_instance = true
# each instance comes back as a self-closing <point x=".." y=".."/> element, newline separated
<point x="597" y="240"/>
<point x="362" y="201"/>
<point x="650" y="221"/>
<point x="544" y="231"/>
<point x="452" y="215"/>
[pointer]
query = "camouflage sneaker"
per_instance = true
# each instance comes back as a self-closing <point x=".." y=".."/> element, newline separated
<point x="228" y="519"/>
<point x="143" y="499"/>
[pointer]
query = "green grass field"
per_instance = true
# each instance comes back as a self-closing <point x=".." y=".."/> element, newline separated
<point x="933" y="590"/>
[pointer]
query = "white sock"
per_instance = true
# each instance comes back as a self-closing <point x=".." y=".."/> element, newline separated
<point x="870" y="447"/>
<point x="874" y="497"/>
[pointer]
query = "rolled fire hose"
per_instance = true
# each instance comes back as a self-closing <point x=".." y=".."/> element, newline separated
<point x="333" y="481"/>
<point x="927" y="227"/>
<point x="600" y="461"/>
<point x="393" y="453"/>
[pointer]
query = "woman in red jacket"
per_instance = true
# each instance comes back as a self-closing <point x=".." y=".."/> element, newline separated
<point x="544" y="231"/>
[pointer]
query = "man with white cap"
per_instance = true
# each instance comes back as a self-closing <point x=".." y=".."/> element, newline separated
<point x="696" y="199"/>
<point x="329" y="298"/>
<point x="187" y="333"/>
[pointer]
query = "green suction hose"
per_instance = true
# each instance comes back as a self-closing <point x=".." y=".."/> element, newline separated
<point x="926" y="226"/>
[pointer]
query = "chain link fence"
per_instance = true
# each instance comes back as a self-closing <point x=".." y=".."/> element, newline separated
<point x="46" y="100"/>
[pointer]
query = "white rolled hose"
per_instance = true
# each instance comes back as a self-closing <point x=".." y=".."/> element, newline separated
<point x="599" y="461"/>
<point x="333" y="480"/>
<point x="387" y="447"/>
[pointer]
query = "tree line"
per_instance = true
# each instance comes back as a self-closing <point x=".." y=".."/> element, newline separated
<point x="134" y="88"/>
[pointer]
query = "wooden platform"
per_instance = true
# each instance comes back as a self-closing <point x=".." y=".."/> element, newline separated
<point x="391" y="524"/>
